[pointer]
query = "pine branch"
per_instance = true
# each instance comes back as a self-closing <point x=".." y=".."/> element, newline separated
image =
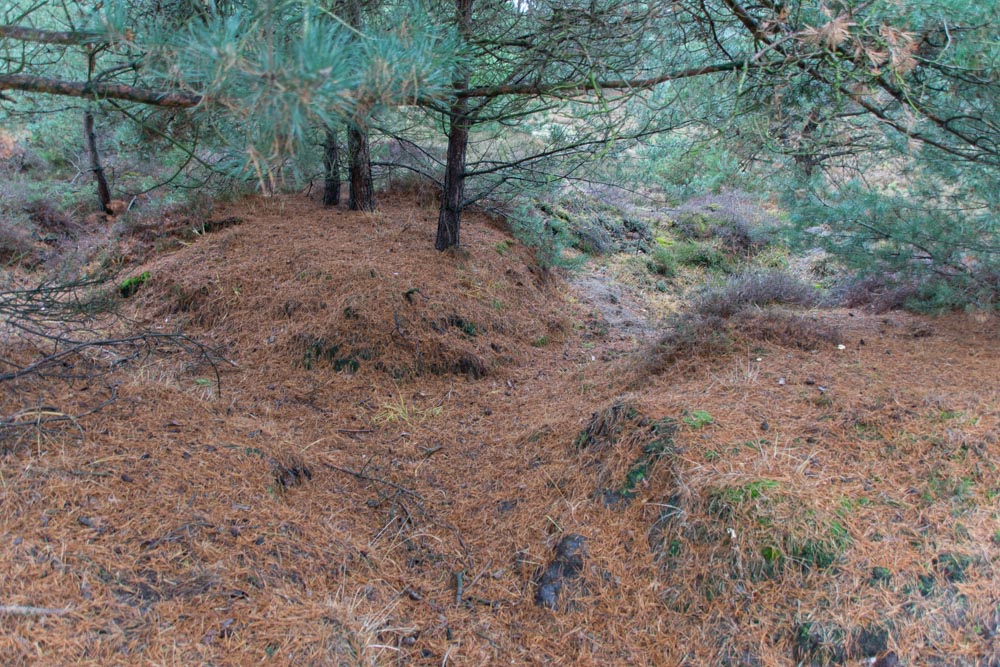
<point x="612" y="84"/>
<point x="99" y="90"/>
<point x="63" y="37"/>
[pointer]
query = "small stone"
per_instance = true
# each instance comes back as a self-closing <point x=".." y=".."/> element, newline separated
<point x="506" y="505"/>
<point x="887" y="660"/>
<point x="567" y="565"/>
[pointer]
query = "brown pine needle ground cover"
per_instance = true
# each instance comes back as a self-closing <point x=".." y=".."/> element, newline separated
<point x="404" y="438"/>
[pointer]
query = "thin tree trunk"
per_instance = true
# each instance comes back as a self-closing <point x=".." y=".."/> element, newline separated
<point x="362" y="193"/>
<point x="453" y="192"/>
<point x="103" y="191"/>
<point x="359" y="167"/>
<point x="805" y="157"/>
<point x="331" y="165"/>
<point x="459" y="124"/>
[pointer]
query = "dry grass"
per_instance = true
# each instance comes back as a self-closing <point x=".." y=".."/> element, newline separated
<point x="786" y="504"/>
<point x="754" y="288"/>
<point x="750" y="307"/>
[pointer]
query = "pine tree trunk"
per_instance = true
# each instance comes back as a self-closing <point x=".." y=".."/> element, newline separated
<point x="103" y="191"/>
<point x="362" y="192"/>
<point x="453" y="192"/>
<point x="359" y="166"/>
<point x="805" y="157"/>
<point x="331" y="165"/>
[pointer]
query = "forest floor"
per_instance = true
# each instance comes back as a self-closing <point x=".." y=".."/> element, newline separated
<point x="405" y="452"/>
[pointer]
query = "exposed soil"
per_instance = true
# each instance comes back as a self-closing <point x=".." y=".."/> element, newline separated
<point x="625" y="315"/>
<point x="404" y="441"/>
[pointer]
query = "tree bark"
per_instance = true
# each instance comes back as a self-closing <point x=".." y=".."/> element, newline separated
<point x="331" y="165"/>
<point x="453" y="191"/>
<point x="359" y="165"/>
<point x="103" y="191"/>
<point x="805" y="157"/>
<point x="362" y="191"/>
<point x="64" y="37"/>
<point x="459" y="124"/>
<point x="98" y="90"/>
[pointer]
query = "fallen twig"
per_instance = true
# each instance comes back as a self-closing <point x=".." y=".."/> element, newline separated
<point x="21" y="610"/>
<point x="377" y="480"/>
<point x="459" y="586"/>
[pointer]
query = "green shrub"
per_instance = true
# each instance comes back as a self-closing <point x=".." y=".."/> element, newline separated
<point x="705" y="255"/>
<point x="662" y="262"/>
<point x="548" y="235"/>
<point x="665" y="260"/>
<point x="935" y="294"/>
<point x="939" y="247"/>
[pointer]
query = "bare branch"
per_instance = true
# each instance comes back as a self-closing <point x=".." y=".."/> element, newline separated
<point x="614" y="84"/>
<point x="21" y="610"/>
<point x="64" y="37"/>
<point x="99" y="90"/>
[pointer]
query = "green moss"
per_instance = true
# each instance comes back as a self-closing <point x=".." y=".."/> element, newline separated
<point x="953" y="566"/>
<point x="467" y="327"/>
<point x="130" y="286"/>
<point x="319" y="350"/>
<point x="880" y="575"/>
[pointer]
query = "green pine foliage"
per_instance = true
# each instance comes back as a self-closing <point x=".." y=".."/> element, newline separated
<point x="935" y="229"/>
<point x="270" y="72"/>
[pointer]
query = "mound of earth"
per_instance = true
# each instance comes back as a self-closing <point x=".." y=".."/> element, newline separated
<point x="294" y="287"/>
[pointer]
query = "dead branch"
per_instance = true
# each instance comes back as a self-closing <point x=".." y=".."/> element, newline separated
<point x="67" y="327"/>
<point x="99" y="90"/>
<point x="21" y="610"/>
<point x="376" y="480"/>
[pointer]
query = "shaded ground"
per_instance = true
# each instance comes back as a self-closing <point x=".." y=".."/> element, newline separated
<point x="405" y="438"/>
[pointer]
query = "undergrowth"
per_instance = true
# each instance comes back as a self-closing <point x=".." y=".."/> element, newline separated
<point x="754" y="304"/>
